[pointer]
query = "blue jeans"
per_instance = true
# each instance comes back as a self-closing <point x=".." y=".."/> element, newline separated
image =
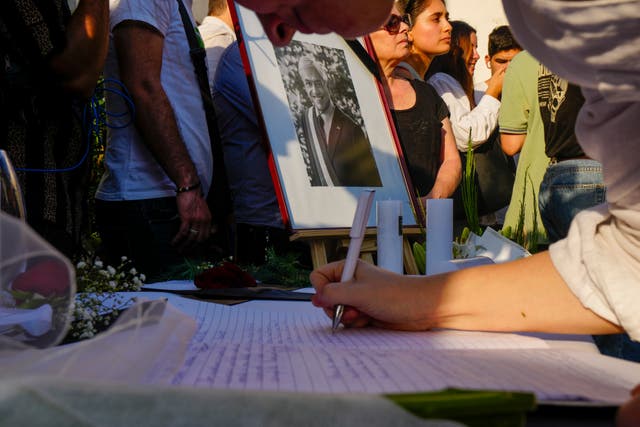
<point x="567" y="188"/>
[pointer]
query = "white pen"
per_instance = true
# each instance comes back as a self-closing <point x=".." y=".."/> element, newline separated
<point x="356" y="235"/>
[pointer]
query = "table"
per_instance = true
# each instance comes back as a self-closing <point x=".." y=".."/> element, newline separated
<point x="96" y="393"/>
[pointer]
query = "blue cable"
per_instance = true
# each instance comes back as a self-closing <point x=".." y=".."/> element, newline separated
<point x="92" y="120"/>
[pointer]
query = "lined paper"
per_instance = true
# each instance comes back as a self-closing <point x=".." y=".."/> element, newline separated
<point x="251" y="347"/>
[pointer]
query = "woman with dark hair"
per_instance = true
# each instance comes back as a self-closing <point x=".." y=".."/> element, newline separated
<point x="474" y="119"/>
<point x="460" y="61"/>
<point x="451" y="75"/>
<point x="421" y="117"/>
<point x="430" y="35"/>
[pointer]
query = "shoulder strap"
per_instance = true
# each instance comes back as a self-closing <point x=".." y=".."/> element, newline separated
<point x="365" y="58"/>
<point x="219" y="195"/>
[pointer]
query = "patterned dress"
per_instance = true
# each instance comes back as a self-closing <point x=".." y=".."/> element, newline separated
<point x="40" y="124"/>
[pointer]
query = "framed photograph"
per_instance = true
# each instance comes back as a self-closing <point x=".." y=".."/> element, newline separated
<point x="327" y="125"/>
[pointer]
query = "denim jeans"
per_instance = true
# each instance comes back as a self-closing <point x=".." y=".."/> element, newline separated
<point x="567" y="188"/>
<point x="142" y="230"/>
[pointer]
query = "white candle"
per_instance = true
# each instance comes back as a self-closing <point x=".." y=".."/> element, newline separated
<point x="439" y="247"/>
<point x="389" y="227"/>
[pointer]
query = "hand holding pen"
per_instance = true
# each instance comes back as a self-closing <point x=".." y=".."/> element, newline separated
<point x="377" y="297"/>
<point x="357" y="236"/>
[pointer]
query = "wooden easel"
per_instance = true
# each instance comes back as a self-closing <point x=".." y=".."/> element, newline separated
<point x="331" y="244"/>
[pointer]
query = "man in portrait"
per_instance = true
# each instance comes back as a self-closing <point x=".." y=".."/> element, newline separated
<point x="339" y="152"/>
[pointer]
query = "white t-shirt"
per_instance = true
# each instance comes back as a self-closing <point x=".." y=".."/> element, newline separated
<point x="131" y="171"/>
<point x="481" y="121"/>
<point x="216" y="36"/>
<point x="590" y="43"/>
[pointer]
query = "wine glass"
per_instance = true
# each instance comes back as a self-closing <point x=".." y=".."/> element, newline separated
<point x="11" y="200"/>
<point x="37" y="283"/>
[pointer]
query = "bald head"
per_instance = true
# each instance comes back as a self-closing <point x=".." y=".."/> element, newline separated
<point x="281" y="18"/>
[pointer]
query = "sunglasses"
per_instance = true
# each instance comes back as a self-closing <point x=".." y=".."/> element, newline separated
<point x="393" y="24"/>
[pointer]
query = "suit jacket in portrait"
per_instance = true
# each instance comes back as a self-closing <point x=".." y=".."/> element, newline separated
<point x="347" y="158"/>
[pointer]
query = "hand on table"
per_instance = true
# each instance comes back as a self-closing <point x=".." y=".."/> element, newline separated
<point x="373" y="297"/>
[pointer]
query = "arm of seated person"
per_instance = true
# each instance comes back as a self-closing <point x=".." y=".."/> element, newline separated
<point x="450" y="171"/>
<point x="512" y="143"/>
<point x="525" y="295"/>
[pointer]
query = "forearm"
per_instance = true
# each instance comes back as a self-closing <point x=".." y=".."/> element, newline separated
<point x="450" y="171"/>
<point x="477" y="125"/>
<point x="156" y="122"/>
<point x="447" y="180"/>
<point x="140" y="51"/>
<point x="525" y="295"/>
<point x="79" y="65"/>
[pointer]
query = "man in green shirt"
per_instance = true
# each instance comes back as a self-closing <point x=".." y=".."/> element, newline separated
<point x="522" y="131"/>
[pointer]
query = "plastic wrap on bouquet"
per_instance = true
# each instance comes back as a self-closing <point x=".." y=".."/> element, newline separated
<point x="37" y="288"/>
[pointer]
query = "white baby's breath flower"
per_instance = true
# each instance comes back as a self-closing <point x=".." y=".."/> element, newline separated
<point x="85" y="313"/>
<point x="88" y="333"/>
<point x="98" y="296"/>
<point x="143" y="277"/>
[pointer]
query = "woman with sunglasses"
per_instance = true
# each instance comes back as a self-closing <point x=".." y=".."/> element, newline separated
<point x="421" y="117"/>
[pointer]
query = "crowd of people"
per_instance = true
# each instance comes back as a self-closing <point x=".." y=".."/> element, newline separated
<point x="569" y="119"/>
<point x="159" y="198"/>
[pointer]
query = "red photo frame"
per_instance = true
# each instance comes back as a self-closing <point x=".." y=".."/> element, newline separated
<point x="318" y="188"/>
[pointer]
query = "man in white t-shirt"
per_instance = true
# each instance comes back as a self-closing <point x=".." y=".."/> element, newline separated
<point x="151" y="203"/>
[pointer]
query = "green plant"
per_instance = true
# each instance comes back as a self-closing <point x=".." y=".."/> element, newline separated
<point x="420" y="256"/>
<point x="470" y="190"/>
<point x="527" y="239"/>
<point x="283" y="270"/>
<point x="187" y="270"/>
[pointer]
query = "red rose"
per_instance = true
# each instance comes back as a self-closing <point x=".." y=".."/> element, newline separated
<point x="47" y="278"/>
<point x="227" y="275"/>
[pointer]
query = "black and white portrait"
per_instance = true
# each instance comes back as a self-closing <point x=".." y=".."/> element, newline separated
<point x="327" y="116"/>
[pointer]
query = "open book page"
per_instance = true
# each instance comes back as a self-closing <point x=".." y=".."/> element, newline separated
<point x="252" y="347"/>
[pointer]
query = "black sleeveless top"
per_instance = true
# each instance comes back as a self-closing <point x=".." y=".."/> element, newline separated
<point x="419" y="130"/>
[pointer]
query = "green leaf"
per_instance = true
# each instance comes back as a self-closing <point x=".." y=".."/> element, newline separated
<point x="473" y="408"/>
<point x="420" y="255"/>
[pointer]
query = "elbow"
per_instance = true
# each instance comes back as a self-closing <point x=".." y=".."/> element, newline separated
<point x="77" y="79"/>
<point x="509" y="145"/>
<point x="82" y="87"/>
<point x="509" y="150"/>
